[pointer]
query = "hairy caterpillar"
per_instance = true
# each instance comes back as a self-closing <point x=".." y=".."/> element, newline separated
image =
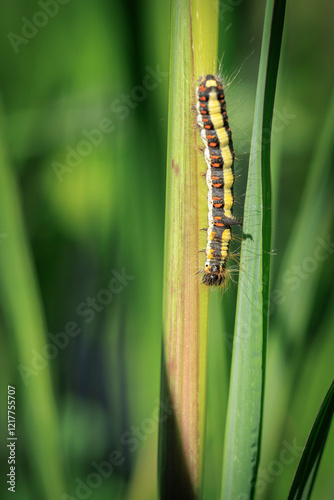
<point x="219" y="156"/>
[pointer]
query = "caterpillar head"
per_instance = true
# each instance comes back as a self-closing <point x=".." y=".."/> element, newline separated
<point x="214" y="274"/>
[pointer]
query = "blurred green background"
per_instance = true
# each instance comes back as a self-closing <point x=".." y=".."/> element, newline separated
<point x="84" y="94"/>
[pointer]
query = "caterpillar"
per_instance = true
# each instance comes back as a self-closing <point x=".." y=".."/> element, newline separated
<point x="219" y="156"/>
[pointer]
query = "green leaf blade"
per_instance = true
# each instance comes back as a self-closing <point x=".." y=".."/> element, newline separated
<point x="244" y="417"/>
<point x="193" y="51"/>
<point x="303" y="481"/>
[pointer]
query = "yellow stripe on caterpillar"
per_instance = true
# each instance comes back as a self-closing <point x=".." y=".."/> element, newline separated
<point x="227" y="235"/>
<point x="228" y="177"/>
<point x="224" y="142"/>
<point x="227" y="156"/>
<point x="219" y="156"/>
<point x="211" y="83"/>
<point x="218" y="123"/>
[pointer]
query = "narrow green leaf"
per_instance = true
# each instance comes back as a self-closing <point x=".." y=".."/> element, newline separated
<point x="193" y="52"/>
<point x="303" y="481"/>
<point x="244" y="417"/>
<point x="291" y="325"/>
<point x="25" y="323"/>
<point x="315" y="211"/>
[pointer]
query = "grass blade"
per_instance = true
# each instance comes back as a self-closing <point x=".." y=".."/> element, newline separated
<point x="310" y="214"/>
<point x="291" y="325"/>
<point x="244" y="417"/>
<point x="303" y="481"/>
<point x="24" y="320"/>
<point x="193" y="51"/>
